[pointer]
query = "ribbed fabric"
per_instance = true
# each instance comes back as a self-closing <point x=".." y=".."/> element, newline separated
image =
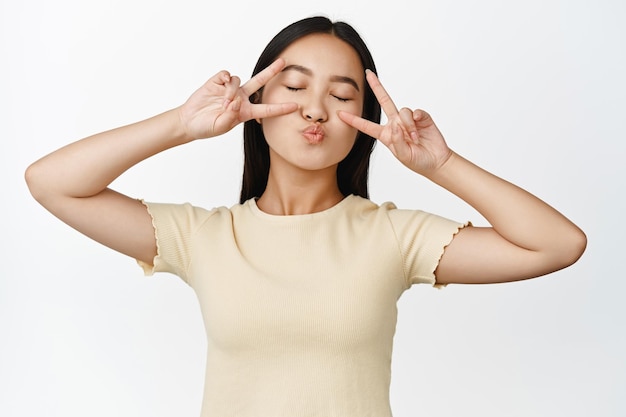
<point x="300" y="311"/>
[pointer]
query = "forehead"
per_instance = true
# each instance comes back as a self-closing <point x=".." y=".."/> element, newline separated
<point x="324" y="53"/>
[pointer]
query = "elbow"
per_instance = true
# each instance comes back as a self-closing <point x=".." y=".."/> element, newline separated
<point x="573" y="247"/>
<point x="34" y="181"/>
<point x="30" y="177"/>
<point x="580" y="244"/>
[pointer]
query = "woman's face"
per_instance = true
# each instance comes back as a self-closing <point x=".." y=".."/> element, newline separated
<point x="323" y="74"/>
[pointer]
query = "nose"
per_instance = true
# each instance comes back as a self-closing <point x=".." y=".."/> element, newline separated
<point x="314" y="110"/>
<point x="315" y="118"/>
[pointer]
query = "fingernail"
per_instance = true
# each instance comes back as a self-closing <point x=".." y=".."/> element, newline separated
<point x="414" y="136"/>
<point x="226" y="103"/>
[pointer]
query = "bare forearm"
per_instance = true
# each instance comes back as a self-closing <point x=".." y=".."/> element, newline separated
<point x="518" y="216"/>
<point x="86" y="167"/>
<point x="528" y="238"/>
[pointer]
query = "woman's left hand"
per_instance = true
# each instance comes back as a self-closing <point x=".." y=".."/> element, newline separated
<point x="412" y="136"/>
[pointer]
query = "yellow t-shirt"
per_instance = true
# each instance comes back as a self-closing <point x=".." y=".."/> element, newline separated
<point x="300" y="311"/>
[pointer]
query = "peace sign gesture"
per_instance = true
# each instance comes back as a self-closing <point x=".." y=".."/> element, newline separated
<point x="412" y="136"/>
<point x="222" y="103"/>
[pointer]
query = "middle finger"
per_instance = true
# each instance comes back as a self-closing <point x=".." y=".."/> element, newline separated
<point x="386" y="103"/>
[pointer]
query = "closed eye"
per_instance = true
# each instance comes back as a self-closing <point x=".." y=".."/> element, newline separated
<point x="343" y="100"/>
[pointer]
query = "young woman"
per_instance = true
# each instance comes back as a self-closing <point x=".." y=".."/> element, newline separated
<point x="298" y="282"/>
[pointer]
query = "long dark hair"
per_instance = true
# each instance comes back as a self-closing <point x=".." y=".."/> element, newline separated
<point x="352" y="172"/>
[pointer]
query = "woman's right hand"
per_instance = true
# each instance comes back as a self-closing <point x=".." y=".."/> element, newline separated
<point x="221" y="103"/>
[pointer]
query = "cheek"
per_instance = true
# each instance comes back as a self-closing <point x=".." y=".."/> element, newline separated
<point x="269" y="128"/>
<point x="356" y="109"/>
<point x="349" y="136"/>
<point x="276" y="129"/>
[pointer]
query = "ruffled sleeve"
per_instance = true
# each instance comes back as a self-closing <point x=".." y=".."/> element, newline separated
<point x="422" y="238"/>
<point x="174" y="228"/>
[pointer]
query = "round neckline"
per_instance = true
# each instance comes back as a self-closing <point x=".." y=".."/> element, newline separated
<point x="251" y="203"/>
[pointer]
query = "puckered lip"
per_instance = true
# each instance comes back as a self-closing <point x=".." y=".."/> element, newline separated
<point x="314" y="134"/>
<point x="316" y="130"/>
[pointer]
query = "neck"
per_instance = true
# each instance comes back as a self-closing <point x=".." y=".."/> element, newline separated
<point x="300" y="192"/>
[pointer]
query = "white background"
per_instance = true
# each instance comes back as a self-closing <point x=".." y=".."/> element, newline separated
<point x="531" y="90"/>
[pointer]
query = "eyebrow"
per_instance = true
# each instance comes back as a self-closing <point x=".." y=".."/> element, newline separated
<point x="333" y="78"/>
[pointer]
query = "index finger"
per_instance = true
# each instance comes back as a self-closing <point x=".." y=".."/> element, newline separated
<point x="386" y="103"/>
<point x="366" y="126"/>
<point x="259" y="80"/>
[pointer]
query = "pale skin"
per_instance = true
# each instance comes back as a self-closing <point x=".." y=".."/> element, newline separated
<point x="72" y="181"/>
<point x="527" y="237"/>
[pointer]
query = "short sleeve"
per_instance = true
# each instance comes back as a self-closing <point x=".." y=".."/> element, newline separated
<point x="174" y="227"/>
<point x="422" y="238"/>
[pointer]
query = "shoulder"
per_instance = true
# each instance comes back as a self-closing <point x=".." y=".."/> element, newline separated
<point x="354" y="204"/>
<point x="185" y="214"/>
<point x="406" y="221"/>
<point x="387" y="210"/>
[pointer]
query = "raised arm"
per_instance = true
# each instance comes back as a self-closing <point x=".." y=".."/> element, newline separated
<point x="72" y="181"/>
<point x="528" y="238"/>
